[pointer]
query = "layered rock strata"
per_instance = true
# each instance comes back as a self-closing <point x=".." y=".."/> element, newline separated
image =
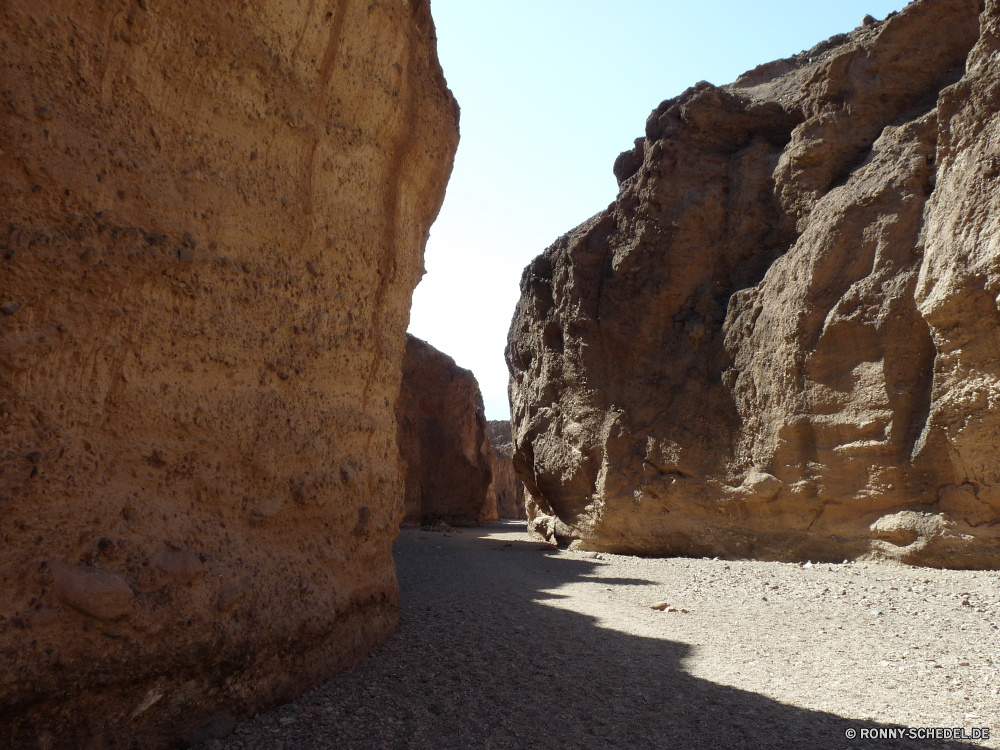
<point x="214" y="218"/>
<point x="778" y="341"/>
<point x="506" y="487"/>
<point x="441" y="432"/>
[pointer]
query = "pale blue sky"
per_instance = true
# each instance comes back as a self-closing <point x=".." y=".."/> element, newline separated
<point x="551" y="91"/>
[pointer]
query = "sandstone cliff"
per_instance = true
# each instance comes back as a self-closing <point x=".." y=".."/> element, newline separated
<point x="214" y="217"/>
<point x="506" y="487"/>
<point x="778" y="341"/>
<point x="442" y="438"/>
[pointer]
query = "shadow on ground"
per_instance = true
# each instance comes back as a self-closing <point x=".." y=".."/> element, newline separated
<point x="481" y="662"/>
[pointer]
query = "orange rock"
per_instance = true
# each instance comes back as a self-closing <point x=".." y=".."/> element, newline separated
<point x="214" y="219"/>
<point x="442" y="440"/>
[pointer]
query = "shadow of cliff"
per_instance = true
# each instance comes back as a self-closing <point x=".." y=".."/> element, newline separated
<point x="480" y="661"/>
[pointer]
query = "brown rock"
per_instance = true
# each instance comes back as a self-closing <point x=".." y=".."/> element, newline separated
<point x="442" y="439"/>
<point x="218" y="728"/>
<point x="227" y="596"/>
<point x="182" y="565"/>
<point x="957" y="291"/>
<point x="195" y="359"/>
<point x="776" y="342"/>
<point x="506" y="487"/>
<point x="98" y="593"/>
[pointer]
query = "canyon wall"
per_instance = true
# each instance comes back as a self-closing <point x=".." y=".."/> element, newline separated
<point x="442" y="440"/>
<point x="506" y="487"/>
<point x="214" y="218"/>
<point x="779" y="341"/>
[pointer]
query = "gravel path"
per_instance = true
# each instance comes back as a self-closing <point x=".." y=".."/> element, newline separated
<point x="505" y="645"/>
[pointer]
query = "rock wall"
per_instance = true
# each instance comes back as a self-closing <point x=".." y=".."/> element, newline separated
<point x="442" y="439"/>
<point x="777" y="342"/>
<point x="506" y="487"/>
<point x="214" y="218"/>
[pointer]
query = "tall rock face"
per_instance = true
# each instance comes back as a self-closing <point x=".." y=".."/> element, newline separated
<point x="779" y="340"/>
<point x="214" y="218"/>
<point x="442" y="438"/>
<point x="506" y="488"/>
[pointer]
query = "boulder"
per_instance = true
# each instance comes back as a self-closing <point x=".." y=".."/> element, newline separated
<point x="777" y="341"/>
<point x="182" y="565"/>
<point x="214" y="219"/>
<point x="91" y="591"/>
<point x="441" y="432"/>
<point x="506" y="487"/>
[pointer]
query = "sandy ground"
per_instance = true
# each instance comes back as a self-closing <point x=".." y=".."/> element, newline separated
<point x="506" y="645"/>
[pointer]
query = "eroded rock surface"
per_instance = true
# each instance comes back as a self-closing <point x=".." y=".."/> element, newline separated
<point x="442" y="439"/>
<point x="506" y="487"/>
<point x="778" y="341"/>
<point x="214" y="217"/>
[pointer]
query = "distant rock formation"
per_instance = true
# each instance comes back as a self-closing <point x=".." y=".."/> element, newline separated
<point x="506" y="487"/>
<point x="214" y="216"/>
<point x="779" y="341"/>
<point x="442" y="439"/>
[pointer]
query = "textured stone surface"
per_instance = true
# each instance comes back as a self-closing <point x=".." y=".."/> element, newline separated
<point x="506" y="487"/>
<point x="214" y="217"/>
<point x="442" y="439"/>
<point x="93" y="592"/>
<point x="778" y="341"/>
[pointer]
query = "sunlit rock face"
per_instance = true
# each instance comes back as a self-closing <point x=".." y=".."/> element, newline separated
<point x="506" y="487"/>
<point x="442" y="440"/>
<point x="779" y="341"/>
<point x="214" y="218"/>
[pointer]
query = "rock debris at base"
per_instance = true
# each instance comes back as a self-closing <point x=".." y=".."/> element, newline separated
<point x="505" y="645"/>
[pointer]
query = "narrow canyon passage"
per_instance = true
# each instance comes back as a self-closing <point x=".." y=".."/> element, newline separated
<point x="505" y="645"/>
